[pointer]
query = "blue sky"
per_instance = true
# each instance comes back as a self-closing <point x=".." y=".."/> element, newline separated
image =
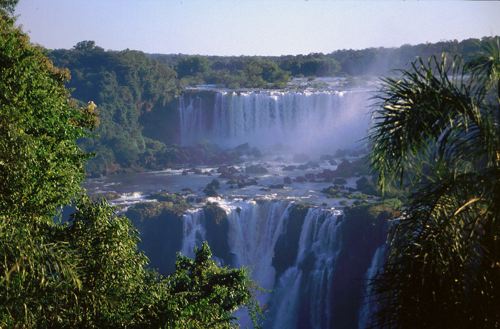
<point x="253" y="27"/>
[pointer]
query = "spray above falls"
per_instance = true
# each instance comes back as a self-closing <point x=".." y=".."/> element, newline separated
<point x="304" y="121"/>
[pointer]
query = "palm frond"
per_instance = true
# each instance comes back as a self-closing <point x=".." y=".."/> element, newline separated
<point x="415" y="110"/>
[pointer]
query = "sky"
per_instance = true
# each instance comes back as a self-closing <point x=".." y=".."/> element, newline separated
<point x="253" y="27"/>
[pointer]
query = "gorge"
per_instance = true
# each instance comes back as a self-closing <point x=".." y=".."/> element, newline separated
<point x="310" y="252"/>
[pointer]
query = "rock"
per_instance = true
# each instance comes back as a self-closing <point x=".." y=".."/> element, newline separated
<point x="339" y="181"/>
<point x="300" y="179"/>
<point x="333" y="192"/>
<point x="247" y="182"/>
<point x="277" y="186"/>
<point x="356" y="167"/>
<point x="256" y="169"/>
<point x="196" y="171"/>
<point x="308" y="165"/>
<point x="287" y="180"/>
<point x="227" y="172"/>
<point x="326" y="175"/>
<point x="367" y="186"/>
<point x="211" y="188"/>
<point x="310" y="177"/>
<point x="333" y="162"/>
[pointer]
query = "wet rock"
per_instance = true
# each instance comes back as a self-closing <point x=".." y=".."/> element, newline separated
<point x="227" y="172"/>
<point x="355" y="168"/>
<point x="256" y="169"/>
<point x="310" y="177"/>
<point x="339" y="181"/>
<point x="211" y="188"/>
<point x="195" y="171"/>
<point x="308" y="165"/>
<point x="277" y="186"/>
<point x="247" y="182"/>
<point x="300" y="179"/>
<point x="289" y="168"/>
<point x="332" y="192"/>
<point x="326" y="175"/>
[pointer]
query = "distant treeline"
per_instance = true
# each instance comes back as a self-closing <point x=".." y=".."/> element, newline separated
<point x="274" y="71"/>
<point x="136" y="92"/>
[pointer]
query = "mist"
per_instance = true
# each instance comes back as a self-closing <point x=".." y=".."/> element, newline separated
<point x="300" y="122"/>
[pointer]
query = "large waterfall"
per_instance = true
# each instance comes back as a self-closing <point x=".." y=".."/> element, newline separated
<point x="292" y="252"/>
<point x="306" y="121"/>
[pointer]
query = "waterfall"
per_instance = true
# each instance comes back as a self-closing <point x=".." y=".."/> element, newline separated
<point x="303" y="120"/>
<point x="290" y="253"/>
<point x="305" y="289"/>
<point x="369" y="306"/>
<point x="193" y="231"/>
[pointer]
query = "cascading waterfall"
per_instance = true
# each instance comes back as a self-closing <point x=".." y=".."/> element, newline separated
<point x="305" y="120"/>
<point x="300" y="294"/>
<point x="369" y="306"/>
<point x="305" y="289"/>
<point x="193" y="231"/>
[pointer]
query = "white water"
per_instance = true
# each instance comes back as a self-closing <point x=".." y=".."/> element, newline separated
<point x="319" y="237"/>
<point x="193" y="231"/>
<point x="369" y="306"/>
<point x="253" y="233"/>
<point x="306" y="121"/>
<point x="254" y="230"/>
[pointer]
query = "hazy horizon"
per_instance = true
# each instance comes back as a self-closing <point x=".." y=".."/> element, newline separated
<point x="234" y="28"/>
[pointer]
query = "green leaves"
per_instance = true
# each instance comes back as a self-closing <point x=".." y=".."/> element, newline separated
<point x="436" y="131"/>
<point x="204" y="295"/>
<point x="86" y="272"/>
<point x="41" y="164"/>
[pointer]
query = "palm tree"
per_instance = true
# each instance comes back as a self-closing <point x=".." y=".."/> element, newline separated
<point x="437" y="132"/>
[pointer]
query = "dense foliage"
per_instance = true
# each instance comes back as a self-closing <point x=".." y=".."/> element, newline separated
<point x="437" y="131"/>
<point x="41" y="163"/>
<point x="127" y="86"/>
<point x="86" y="272"/>
<point x="229" y="70"/>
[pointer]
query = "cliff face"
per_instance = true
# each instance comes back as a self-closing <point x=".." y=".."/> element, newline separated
<point x="161" y="231"/>
<point x="313" y="261"/>
<point x="363" y="231"/>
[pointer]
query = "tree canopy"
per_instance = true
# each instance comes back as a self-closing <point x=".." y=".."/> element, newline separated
<point x="86" y="272"/>
<point x="437" y="131"/>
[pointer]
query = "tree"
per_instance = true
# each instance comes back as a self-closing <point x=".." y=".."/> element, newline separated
<point x="41" y="164"/>
<point x="86" y="272"/>
<point x="207" y="295"/>
<point x="437" y="131"/>
<point x="8" y="6"/>
<point x="192" y="66"/>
